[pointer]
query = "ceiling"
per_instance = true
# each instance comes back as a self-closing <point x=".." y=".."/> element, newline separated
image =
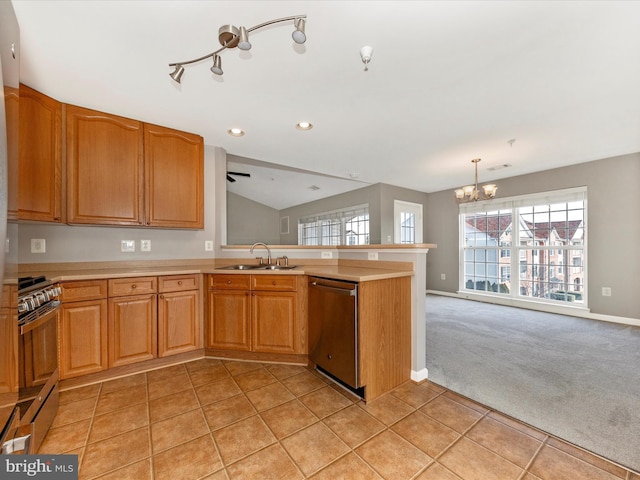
<point x="448" y="81"/>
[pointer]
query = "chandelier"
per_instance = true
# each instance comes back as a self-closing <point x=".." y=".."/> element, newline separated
<point x="231" y="36"/>
<point x="471" y="193"/>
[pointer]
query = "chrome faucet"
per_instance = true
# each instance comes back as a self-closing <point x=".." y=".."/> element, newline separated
<point x="260" y="244"/>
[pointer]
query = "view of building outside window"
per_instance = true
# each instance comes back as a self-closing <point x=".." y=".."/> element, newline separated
<point x="544" y="244"/>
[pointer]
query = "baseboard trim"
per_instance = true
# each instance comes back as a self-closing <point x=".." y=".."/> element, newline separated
<point x="581" y="313"/>
<point x="420" y="375"/>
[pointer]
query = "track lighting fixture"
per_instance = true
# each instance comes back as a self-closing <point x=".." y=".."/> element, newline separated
<point x="230" y="36"/>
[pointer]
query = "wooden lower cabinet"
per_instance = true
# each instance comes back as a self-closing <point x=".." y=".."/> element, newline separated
<point x="274" y="322"/>
<point x="116" y="322"/>
<point x="132" y="329"/>
<point x="229" y="320"/>
<point x="9" y="345"/>
<point x="257" y="313"/>
<point x="178" y="322"/>
<point x="83" y="338"/>
<point x="178" y="314"/>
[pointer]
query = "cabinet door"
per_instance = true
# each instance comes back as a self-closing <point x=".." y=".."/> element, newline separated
<point x="83" y="338"/>
<point x="228" y="320"/>
<point x="9" y="350"/>
<point x="132" y="329"/>
<point x="178" y="322"/>
<point x="12" y="116"/>
<point x="174" y="171"/>
<point x="40" y="157"/>
<point x="104" y="168"/>
<point x="274" y="322"/>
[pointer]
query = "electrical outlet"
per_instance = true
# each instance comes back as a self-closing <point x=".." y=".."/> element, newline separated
<point x="443" y="276"/>
<point x="606" y="291"/>
<point x="372" y="256"/>
<point x="208" y="245"/>
<point x="128" y="246"/>
<point x="145" y="245"/>
<point x="38" y="245"/>
<point x="326" y="255"/>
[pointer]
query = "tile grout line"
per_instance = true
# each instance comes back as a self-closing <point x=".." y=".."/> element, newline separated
<point x="149" y="438"/>
<point x="533" y="458"/>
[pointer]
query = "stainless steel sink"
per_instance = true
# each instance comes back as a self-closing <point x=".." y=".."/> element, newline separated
<point x="258" y="267"/>
<point x="241" y="267"/>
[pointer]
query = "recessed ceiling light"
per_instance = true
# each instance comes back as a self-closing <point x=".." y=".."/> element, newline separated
<point x="304" y="126"/>
<point x="235" y="132"/>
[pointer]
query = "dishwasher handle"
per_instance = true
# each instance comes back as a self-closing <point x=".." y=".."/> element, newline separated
<point x="343" y="291"/>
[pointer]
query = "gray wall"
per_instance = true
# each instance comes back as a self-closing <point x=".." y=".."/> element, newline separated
<point x="380" y="198"/>
<point x="613" y="229"/>
<point x="249" y="222"/>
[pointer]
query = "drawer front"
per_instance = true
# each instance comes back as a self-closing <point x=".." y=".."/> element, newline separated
<point x="178" y="283"/>
<point x="229" y="282"/>
<point x="277" y="283"/>
<point x="83" y="290"/>
<point x="119" y="287"/>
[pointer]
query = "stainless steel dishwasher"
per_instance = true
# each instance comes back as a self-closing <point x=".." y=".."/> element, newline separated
<point x="333" y="328"/>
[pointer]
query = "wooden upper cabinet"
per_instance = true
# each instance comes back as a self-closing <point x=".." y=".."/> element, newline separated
<point x="174" y="178"/>
<point x="104" y="168"/>
<point x="40" y="157"/>
<point x="12" y="117"/>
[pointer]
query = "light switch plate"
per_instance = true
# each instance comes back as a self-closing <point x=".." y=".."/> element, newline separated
<point x="208" y="245"/>
<point x="128" y="246"/>
<point x="326" y="255"/>
<point x="372" y="256"/>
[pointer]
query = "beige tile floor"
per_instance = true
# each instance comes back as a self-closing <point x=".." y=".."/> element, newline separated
<point x="212" y="419"/>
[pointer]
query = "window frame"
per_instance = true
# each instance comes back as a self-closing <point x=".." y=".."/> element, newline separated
<point x="519" y="252"/>
<point x="332" y="226"/>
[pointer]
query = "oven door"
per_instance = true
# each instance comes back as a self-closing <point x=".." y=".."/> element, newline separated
<point x="38" y="370"/>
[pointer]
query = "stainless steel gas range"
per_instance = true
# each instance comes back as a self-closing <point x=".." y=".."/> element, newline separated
<point x="38" y="375"/>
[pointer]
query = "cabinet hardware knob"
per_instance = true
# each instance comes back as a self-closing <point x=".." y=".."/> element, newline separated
<point x="329" y="356"/>
<point x="228" y="282"/>
<point x="180" y="282"/>
<point x="133" y="286"/>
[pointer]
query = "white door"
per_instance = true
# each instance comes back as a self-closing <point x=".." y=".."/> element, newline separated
<point x="407" y="219"/>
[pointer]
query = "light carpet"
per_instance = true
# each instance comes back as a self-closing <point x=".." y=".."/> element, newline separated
<point x="574" y="378"/>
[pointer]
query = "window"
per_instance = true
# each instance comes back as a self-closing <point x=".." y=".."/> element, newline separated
<point x="347" y="226"/>
<point x="530" y="235"/>
<point x="407" y="219"/>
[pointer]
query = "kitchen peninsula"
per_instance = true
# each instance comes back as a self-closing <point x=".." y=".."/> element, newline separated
<point x="164" y="337"/>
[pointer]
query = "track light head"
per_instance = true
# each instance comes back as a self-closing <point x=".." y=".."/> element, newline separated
<point x="176" y="75"/>
<point x="298" y="35"/>
<point x="243" y="41"/>
<point x="217" y="65"/>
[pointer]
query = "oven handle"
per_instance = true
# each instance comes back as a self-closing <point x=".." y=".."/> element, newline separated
<point x="27" y="327"/>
